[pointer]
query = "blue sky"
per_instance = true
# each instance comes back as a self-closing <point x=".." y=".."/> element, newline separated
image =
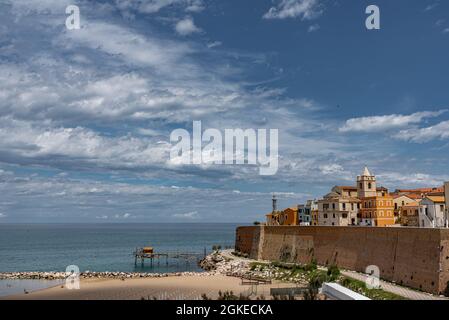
<point x="86" y="115"/>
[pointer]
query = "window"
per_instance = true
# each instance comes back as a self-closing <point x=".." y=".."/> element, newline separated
<point x="361" y="186"/>
<point x="352" y="206"/>
<point x="333" y="206"/>
<point x="325" y="216"/>
<point x="369" y="186"/>
<point x="344" y="206"/>
<point x="344" y="215"/>
<point x="442" y="207"/>
<point x="333" y="215"/>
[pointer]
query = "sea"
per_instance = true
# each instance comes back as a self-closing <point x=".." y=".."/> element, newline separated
<point x="103" y="247"/>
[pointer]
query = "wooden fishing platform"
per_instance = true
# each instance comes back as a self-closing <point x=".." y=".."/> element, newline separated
<point x="149" y="254"/>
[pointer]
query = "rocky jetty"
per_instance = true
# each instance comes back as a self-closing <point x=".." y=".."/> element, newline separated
<point x="213" y="264"/>
<point x="91" y="274"/>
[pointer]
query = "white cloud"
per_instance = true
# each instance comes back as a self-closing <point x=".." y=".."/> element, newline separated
<point x="188" y="215"/>
<point x="2" y="215"/>
<point x="387" y="122"/>
<point x="431" y="6"/>
<point x="153" y="6"/>
<point x="439" y="131"/>
<point x="25" y="140"/>
<point x="332" y="169"/>
<point x="195" y="6"/>
<point x="127" y="44"/>
<point x="123" y="216"/>
<point x="186" y="27"/>
<point x="409" y="180"/>
<point x="313" y="28"/>
<point x="304" y="9"/>
<point x="214" y="44"/>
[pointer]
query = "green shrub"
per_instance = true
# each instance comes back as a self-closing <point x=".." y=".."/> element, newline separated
<point x="311" y="266"/>
<point x="333" y="273"/>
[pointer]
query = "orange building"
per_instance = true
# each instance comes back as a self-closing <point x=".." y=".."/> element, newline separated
<point x="287" y="217"/>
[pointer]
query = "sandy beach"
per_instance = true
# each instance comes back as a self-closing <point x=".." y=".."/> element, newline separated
<point x="168" y="288"/>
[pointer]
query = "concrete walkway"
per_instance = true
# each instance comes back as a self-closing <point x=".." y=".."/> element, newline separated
<point x="387" y="286"/>
<point x="393" y="288"/>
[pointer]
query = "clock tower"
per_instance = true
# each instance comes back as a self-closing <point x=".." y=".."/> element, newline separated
<point x="366" y="185"/>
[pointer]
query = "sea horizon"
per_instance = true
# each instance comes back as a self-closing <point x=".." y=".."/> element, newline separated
<point x="100" y="247"/>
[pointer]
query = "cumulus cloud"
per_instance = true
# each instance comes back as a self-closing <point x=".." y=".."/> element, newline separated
<point x="303" y="9"/>
<point x="32" y="198"/>
<point x="59" y="146"/>
<point x="421" y="135"/>
<point x="102" y="102"/>
<point x="387" y="122"/>
<point x="186" y="27"/>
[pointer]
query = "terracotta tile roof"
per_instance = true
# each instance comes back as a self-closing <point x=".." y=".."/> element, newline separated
<point x="413" y="196"/>
<point x="347" y="187"/>
<point x="436" y="198"/>
<point x="395" y="196"/>
<point x="420" y="190"/>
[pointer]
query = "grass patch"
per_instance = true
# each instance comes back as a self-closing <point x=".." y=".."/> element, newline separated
<point x="374" y="294"/>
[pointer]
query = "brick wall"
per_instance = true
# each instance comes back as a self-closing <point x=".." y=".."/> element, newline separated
<point x="414" y="257"/>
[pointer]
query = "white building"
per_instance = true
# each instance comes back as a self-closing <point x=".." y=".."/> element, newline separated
<point x="432" y="212"/>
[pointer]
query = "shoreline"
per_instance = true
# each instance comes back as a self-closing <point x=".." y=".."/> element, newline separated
<point x="224" y="272"/>
<point x="213" y="264"/>
<point x="221" y="274"/>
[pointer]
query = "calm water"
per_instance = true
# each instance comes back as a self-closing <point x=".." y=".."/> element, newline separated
<point x="107" y="247"/>
<point x="11" y="287"/>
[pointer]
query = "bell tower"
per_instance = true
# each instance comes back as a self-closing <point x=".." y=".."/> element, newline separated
<point x="366" y="185"/>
